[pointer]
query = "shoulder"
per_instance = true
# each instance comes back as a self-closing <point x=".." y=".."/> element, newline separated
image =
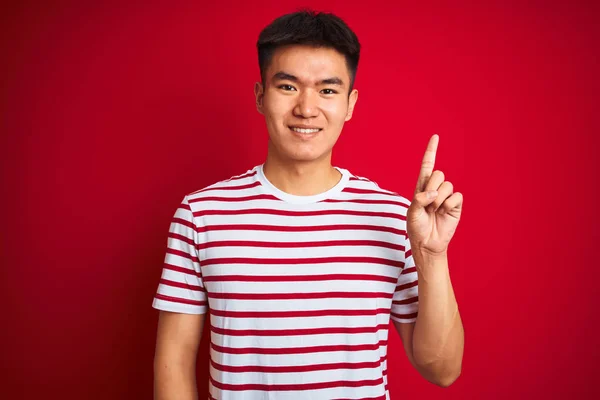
<point x="368" y="187"/>
<point x="245" y="180"/>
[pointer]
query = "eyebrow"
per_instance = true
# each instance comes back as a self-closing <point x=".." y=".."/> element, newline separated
<point x="329" y="81"/>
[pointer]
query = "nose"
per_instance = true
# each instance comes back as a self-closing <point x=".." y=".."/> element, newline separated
<point x="307" y="104"/>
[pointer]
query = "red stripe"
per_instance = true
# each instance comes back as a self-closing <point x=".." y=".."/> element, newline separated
<point x="406" y="286"/>
<point x="235" y="199"/>
<point x="180" y="300"/>
<point x="298" y="350"/>
<point x="285" y="228"/>
<point x="407" y="301"/>
<point x="266" y="211"/>
<point x="358" y="178"/>
<point x="183" y="270"/>
<point x="298" y="278"/>
<point x="182" y="238"/>
<point x="299" y="368"/>
<point x="405" y="316"/>
<point x="249" y="243"/>
<point x="297" y="313"/>
<point x="181" y="285"/>
<point x="367" y="201"/>
<point x="295" y="261"/>
<point x="408" y="270"/>
<point x="239" y="187"/>
<point x="299" y="331"/>
<point x="298" y="296"/>
<point x="184" y="222"/>
<point x="296" y="386"/>
<point x="369" y="191"/>
<point x="382" y="397"/>
<point x="182" y="254"/>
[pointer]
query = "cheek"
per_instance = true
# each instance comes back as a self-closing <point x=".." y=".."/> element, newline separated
<point x="335" y="112"/>
<point x="276" y="111"/>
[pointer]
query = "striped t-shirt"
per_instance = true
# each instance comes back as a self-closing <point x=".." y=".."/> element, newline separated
<point x="300" y="289"/>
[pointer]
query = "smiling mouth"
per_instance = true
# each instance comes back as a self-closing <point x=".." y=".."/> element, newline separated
<point x="305" y="131"/>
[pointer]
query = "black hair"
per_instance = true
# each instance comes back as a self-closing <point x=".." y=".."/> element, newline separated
<point x="312" y="28"/>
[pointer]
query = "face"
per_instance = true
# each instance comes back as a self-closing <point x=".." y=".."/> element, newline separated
<point x="305" y="87"/>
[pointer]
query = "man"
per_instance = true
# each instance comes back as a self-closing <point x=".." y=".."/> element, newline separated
<point x="302" y="264"/>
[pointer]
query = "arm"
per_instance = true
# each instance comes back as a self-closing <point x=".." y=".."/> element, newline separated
<point x="434" y="344"/>
<point x="177" y="340"/>
<point x="431" y="220"/>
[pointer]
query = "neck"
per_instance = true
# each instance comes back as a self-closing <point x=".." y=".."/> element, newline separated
<point x="306" y="178"/>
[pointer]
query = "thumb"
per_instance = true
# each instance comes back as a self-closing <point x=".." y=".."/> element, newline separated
<point x="423" y="199"/>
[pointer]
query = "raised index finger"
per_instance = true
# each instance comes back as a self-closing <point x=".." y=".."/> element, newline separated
<point x="427" y="164"/>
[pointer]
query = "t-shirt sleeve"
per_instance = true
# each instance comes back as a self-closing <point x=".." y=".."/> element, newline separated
<point x="405" y="303"/>
<point x="180" y="288"/>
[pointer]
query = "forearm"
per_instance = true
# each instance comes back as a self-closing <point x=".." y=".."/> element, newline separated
<point x="438" y="338"/>
<point x="174" y="380"/>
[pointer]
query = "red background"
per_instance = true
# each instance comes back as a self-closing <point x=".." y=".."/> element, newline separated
<point x="111" y="113"/>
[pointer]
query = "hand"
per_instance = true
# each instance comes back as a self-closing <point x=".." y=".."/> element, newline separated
<point x="432" y="221"/>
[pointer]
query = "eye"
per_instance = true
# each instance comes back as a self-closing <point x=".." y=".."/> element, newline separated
<point x="285" y="87"/>
<point x="331" y="91"/>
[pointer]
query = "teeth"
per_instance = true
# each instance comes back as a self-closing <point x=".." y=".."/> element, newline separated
<point x="300" y="130"/>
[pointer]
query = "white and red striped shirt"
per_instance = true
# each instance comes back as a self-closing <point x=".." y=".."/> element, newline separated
<point x="300" y="289"/>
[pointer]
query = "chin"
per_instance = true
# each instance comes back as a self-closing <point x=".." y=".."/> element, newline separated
<point x="306" y="156"/>
<point x="300" y="152"/>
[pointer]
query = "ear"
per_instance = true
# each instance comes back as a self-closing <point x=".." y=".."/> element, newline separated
<point x="351" y="103"/>
<point x="259" y="94"/>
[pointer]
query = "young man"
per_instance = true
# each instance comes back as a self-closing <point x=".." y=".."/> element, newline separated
<point x="302" y="264"/>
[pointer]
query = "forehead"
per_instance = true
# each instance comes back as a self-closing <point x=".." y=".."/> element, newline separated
<point x="309" y="63"/>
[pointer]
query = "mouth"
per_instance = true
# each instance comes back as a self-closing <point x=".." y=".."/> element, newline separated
<point x="305" y="132"/>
